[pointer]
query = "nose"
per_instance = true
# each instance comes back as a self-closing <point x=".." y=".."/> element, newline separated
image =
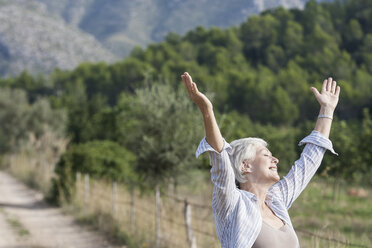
<point x="275" y="160"/>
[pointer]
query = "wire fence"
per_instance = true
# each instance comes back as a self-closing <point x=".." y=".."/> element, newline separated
<point x="167" y="220"/>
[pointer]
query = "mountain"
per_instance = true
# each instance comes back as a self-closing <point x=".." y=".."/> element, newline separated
<point x="39" y="35"/>
<point x="122" y="24"/>
<point x="32" y="39"/>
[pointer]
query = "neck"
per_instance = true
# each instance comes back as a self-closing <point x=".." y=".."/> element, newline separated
<point x="260" y="190"/>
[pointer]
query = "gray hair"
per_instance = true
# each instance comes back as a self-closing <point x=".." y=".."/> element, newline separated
<point x="243" y="149"/>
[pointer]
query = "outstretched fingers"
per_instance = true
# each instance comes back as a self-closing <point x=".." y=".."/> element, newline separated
<point x="338" y="89"/>
<point x="190" y="82"/>
<point x="329" y="84"/>
<point x="192" y="89"/>
<point x="315" y="91"/>
<point x="334" y="84"/>
<point x="324" y="86"/>
<point x="187" y="83"/>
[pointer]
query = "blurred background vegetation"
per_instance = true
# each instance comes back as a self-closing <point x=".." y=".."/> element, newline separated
<point x="131" y="121"/>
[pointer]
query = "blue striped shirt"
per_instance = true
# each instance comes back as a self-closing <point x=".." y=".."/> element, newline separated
<point x="236" y="212"/>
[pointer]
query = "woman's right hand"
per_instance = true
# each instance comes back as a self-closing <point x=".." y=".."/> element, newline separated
<point x="212" y="132"/>
<point x="195" y="95"/>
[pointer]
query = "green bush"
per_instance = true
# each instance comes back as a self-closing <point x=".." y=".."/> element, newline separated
<point x="99" y="159"/>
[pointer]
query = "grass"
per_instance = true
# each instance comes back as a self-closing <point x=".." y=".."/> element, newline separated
<point x="318" y="219"/>
<point x="104" y="223"/>
<point x="21" y="230"/>
<point x="347" y="219"/>
<point x="15" y="224"/>
<point x="29" y="171"/>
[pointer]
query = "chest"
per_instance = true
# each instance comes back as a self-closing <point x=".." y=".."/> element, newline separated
<point x="269" y="217"/>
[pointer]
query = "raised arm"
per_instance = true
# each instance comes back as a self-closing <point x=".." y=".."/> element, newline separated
<point x="225" y="194"/>
<point x="212" y="132"/>
<point x="291" y="186"/>
<point x="328" y="99"/>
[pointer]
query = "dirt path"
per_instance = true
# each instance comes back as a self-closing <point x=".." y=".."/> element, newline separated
<point x="8" y="236"/>
<point x="26" y="221"/>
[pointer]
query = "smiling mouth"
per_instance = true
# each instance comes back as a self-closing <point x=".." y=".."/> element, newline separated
<point x="273" y="168"/>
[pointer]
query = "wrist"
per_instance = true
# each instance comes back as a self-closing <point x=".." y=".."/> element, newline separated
<point x="206" y="109"/>
<point x="324" y="110"/>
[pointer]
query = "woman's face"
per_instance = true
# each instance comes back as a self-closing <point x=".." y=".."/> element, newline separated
<point x="265" y="166"/>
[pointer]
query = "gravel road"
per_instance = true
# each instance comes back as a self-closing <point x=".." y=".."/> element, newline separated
<point x="27" y="221"/>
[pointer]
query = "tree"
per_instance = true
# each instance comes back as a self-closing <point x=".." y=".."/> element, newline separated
<point x="293" y="39"/>
<point x="366" y="52"/>
<point x="257" y="34"/>
<point x="19" y="118"/>
<point x="99" y="159"/>
<point x="161" y="127"/>
<point x="13" y="118"/>
<point x="353" y="35"/>
<point x="365" y="149"/>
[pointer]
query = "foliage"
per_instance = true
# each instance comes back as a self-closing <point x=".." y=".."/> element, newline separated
<point x="159" y="125"/>
<point x="99" y="159"/>
<point x="259" y="74"/>
<point x="19" y="118"/>
<point x="13" y="109"/>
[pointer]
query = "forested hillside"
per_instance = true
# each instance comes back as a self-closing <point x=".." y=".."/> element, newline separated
<point x="258" y="73"/>
<point x="41" y="35"/>
<point x="120" y="25"/>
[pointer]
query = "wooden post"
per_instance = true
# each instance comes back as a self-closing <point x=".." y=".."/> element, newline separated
<point x="78" y="176"/>
<point x="114" y="196"/>
<point x="45" y="169"/>
<point x="157" y="217"/>
<point x="77" y="184"/>
<point x="132" y="213"/>
<point x="86" y="191"/>
<point x="189" y="232"/>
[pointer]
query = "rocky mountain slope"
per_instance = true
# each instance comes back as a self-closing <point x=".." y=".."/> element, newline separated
<point x="39" y="35"/>
<point x="32" y="39"/>
<point x="121" y="24"/>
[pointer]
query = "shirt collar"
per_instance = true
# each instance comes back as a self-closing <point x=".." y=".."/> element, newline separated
<point x="269" y="197"/>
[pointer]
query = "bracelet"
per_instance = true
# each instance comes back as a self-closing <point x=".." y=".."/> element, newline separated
<point x="325" y="116"/>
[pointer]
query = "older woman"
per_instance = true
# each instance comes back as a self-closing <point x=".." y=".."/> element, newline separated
<point x="255" y="214"/>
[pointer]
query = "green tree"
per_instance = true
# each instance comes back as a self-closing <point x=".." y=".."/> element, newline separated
<point x="159" y="125"/>
<point x="99" y="159"/>
<point x="13" y="118"/>
<point x="366" y="52"/>
<point x="353" y="35"/>
<point x="365" y="150"/>
<point x="258" y="33"/>
<point x="293" y="39"/>
<point x="284" y="111"/>
<point x="19" y="118"/>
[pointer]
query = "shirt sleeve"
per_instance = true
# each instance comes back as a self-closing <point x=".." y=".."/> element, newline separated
<point x="291" y="186"/>
<point x="225" y="193"/>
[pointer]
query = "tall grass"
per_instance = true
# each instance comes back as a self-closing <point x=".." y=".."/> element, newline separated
<point x="172" y="227"/>
<point x="35" y="160"/>
<point x="318" y="219"/>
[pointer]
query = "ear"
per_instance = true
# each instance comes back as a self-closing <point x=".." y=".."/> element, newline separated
<point x="246" y="166"/>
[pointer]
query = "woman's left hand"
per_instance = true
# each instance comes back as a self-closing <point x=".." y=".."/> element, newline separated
<point x="328" y="98"/>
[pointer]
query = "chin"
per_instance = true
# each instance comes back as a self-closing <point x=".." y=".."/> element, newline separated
<point x="276" y="179"/>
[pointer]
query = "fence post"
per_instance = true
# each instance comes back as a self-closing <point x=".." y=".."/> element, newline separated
<point x="114" y="196"/>
<point x="132" y="213"/>
<point x="190" y="234"/>
<point x="157" y="216"/>
<point x="77" y="184"/>
<point x="86" y="191"/>
<point x="78" y="176"/>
